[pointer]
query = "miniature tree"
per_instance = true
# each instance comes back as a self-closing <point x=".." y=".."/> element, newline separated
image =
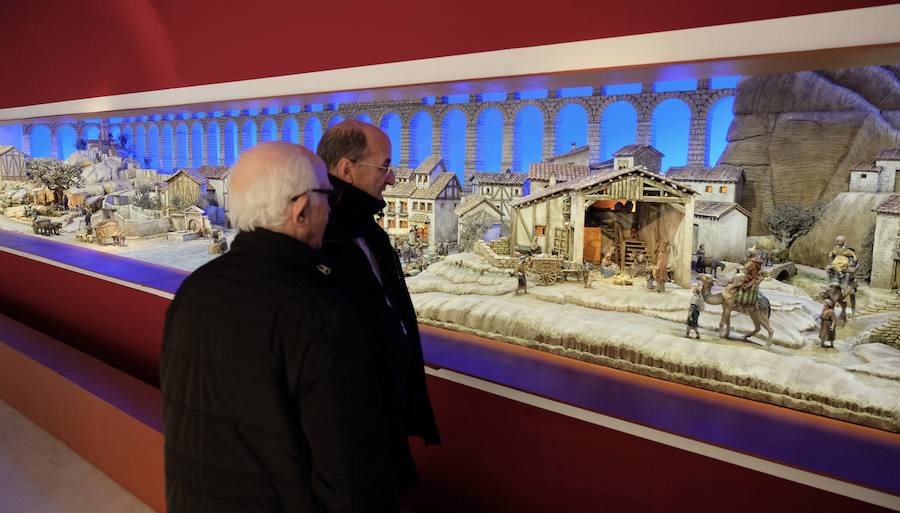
<point x="865" y="256"/>
<point x="143" y="198"/>
<point x="789" y="221"/>
<point x="54" y="174"/>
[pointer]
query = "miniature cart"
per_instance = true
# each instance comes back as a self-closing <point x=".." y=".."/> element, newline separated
<point x="547" y="268"/>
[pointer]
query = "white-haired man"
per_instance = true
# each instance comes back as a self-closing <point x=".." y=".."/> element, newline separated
<point x="270" y="396"/>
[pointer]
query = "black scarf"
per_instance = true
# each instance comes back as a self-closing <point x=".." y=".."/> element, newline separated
<point x="355" y="213"/>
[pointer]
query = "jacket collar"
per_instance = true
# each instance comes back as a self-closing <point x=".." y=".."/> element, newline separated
<point x="275" y="246"/>
<point x="356" y="209"/>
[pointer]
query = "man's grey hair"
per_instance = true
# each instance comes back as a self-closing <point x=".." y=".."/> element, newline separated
<point x="261" y="192"/>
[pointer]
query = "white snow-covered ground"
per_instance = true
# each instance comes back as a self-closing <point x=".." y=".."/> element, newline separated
<point x="186" y="256"/>
<point x="632" y="328"/>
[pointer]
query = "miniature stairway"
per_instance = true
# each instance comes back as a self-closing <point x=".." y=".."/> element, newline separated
<point x="633" y="247"/>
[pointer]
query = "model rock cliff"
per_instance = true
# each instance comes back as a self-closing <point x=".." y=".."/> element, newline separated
<point x="797" y="135"/>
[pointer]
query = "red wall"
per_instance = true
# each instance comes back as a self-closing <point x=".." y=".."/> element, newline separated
<point x="62" y="49"/>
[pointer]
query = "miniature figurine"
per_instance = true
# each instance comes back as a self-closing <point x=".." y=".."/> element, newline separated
<point x="697" y="304"/>
<point x="759" y="312"/>
<point x="87" y="221"/>
<point x="700" y="265"/>
<point x="828" y="327"/>
<point x="744" y="288"/>
<point x="608" y="267"/>
<point x="586" y="274"/>
<point x="843" y="263"/>
<point x="522" y="285"/>
<point x="661" y="270"/>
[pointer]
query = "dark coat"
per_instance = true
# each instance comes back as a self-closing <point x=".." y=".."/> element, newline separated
<point x="392" y="327"/>
<point x="270" y="397"/>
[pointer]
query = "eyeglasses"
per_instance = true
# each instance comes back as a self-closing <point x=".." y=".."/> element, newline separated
<point x="385" y="169"/>
<point x="334" y="195"/>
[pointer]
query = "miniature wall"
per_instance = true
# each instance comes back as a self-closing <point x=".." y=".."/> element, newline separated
<point x="445" y="222"/>
<point x="137" y="222"/>
<point x="723" y="238"/>
<point x="887" y="228"/>
<point x="864" y="182"/>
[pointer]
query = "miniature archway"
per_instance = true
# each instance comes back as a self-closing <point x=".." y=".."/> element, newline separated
<point x="419" y="138"/>
<point x="528" y="138"/>
<point x="92" y="132"/>
<point x="618" y="128"/>
<point x="393" y="127"/>
<point x="248" y="135"/>
<point x="290" y="131"/>
<point x="153" y="146"/>
<point x="269" y="130"/>
<point x="571" y="128"/>
<point x="489" y="140"/>
<point x="231" y="143"/>
<point x="166" y="137"/>
<point x="181" y="146"/>
<point x="65" y="141"/>
<point x="335" y="120"/>
<point x="197" y="144"/>
<point x="312" y="133"/>
<point x="40" y="141"/>
<point x="140" y="145"/>
<point x="670" y="132"/>
<point x="453" y="142"/>
<point x="364" y="118"/>
<point x="213" y="136"/>
<point x="717" y="123"/>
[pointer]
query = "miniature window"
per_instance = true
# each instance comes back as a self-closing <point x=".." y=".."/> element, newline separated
<point x="516" y="191"/>
<point x="709" y="188"/>
<point x="723" y="188"/>
<point x="403" y="223"/>
<point x="391" y="223"/>
<point x="539" y="229"/>
<point x="487" y="190"/>
<point x="863" y="176"/>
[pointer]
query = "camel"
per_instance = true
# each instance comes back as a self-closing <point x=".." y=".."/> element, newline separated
<point x="837" y="297"/>
<point x="759" y="313"/>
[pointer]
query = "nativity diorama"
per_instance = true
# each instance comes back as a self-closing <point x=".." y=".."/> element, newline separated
<point x="767" y="269"/>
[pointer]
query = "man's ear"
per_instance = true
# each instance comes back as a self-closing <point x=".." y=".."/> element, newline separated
<point x="344" y="170"/>
<point x="299" y="210"/>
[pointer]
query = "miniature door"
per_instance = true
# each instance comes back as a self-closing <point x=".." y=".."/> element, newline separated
<point x="592" y="244"/>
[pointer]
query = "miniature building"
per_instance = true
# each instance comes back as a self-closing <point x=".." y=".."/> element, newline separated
<point x="184" y="187"/>
<point x="713" y="183"/>
<point x="191" y="219"/>
<point x="878" y="177"/>
<point x="541" y="174"/>
<point x="421" y="208"/>
<point x="12" y="164"/>
<point x="476" y="207"/>
<point x="577" y="156"/>
<point x="886" y="249"/>
<point x="721" y="226"/>
<point x="500" y="189"/>
<point x="623" y="211"/>
<point x="638" y="155"/>
<point x="216" y="184"/>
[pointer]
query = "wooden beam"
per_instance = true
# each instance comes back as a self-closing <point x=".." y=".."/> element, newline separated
<point x="658" y="199"/>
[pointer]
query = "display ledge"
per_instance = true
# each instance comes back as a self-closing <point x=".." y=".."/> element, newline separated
<point x="843" y="458"/>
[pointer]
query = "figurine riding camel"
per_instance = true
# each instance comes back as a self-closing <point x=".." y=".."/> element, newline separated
<point x="841" y="287"/>
<point x="741" y="295"/>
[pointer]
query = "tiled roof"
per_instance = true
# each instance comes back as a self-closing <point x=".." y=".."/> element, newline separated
<point x="194" y="174"/>
<point x="410" y="190"/>
<point x="419" y="217"/>
<point x="214" y="172"/>
<point x="402" y="172"/>
<point x="716" y="209"/>
<point x="436" y="187"/>
<point x="866" y="168"/>
<point x="429" y="164"/>
<point x="505" y="178"/>
<point x="562" y="172"/>
<point x="597" y="178"/>
<point x="571" y="152"/>
<point x="890" y="154"/>
<point x="400" y="190"/>
<point x="706" y="174"/>
<point x="4" y="149"/>
<point x="470" y="202"/>
<point x="889" y="206"/>
<point x="633" y="150"/>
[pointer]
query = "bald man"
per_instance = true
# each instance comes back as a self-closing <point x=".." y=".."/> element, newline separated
<point x="270" y="397"/>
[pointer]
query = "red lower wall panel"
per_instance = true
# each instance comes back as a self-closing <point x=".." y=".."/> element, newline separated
<point x="119" y="325"/>
<point x="501" y="456"/>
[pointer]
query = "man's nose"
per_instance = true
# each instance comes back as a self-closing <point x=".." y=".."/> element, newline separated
<point x="389" y="178"/>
